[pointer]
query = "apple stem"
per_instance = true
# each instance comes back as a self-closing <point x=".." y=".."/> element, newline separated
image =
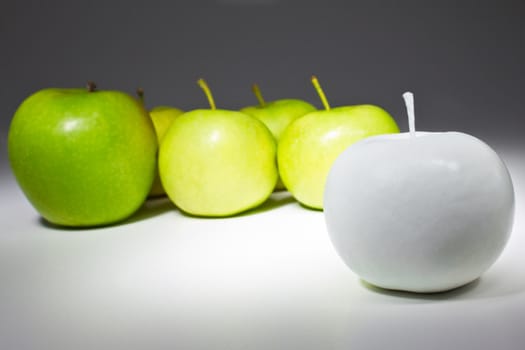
<point x="409" y="102"/>
<point x="204" y="86"/>
<point x="140" y="94"/>
<point x="91" y="86"/>
<point x="320" y="92"/>
<point x="258" y="94"/>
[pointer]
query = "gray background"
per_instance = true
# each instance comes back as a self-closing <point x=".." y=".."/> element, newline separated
<point x="464" y="60"/>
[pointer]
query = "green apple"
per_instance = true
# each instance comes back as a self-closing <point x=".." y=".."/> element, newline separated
<point x="216" y="162"/>
<point x="83" y="157"/>
<point x="309" y="146"/>
<point x="162" y="117"/>
<point x="277" y="115"/>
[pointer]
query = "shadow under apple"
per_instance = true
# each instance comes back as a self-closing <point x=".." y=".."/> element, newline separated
<point x="276" y="200"/>
<point x="435" y="296"/>
<point x="150" y="208"/>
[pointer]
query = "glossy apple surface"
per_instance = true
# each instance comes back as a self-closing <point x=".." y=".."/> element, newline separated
<point x="162" y="117"/>
<point x="217" y="162"/>
<point x="83" y="158"/>
<point x="310" y="144"/>
<point x="278" y="114"/>
<point x="422" y="214"/>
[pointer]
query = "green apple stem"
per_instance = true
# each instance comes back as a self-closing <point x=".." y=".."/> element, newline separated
<point x="258" y="94"/>
<point x="320" y="92"/>
<point x="204" y="86"/>
<point x="91" y="86"/>
<point x="140" y="94"/>
<point x="409" y="103"/>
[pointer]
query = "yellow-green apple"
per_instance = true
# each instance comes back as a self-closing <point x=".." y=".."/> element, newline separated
<point x="162" y="117"/>
<point x="83" y="157"/>
<point x="277" y="115"/>
<point x="309" y="145"/>
<point x="216" y="162"/>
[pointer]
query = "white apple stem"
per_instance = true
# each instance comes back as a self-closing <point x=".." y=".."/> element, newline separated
<point x="409" y="102"/>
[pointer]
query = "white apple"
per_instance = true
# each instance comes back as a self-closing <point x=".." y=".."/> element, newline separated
<point x="420" y="212"/>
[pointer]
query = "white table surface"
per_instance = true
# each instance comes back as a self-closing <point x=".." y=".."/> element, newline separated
<point x="268" y="279"/>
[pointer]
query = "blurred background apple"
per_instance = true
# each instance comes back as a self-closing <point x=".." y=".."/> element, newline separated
<point x="162" y="117"/>
<point x="277" y="115"/>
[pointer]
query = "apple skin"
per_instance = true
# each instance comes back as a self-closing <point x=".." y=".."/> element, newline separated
<point x="217" y="162"/>
<point x="310" y="144"/>
<point x="162" y="117"/>
<point x="277" y="116"/>
<point x="83" y="158"/>
<point x="421" y="214"/>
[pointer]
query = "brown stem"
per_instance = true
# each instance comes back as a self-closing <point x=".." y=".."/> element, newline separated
<point x="91" y="86"/>
<point x="140" y="94"/>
